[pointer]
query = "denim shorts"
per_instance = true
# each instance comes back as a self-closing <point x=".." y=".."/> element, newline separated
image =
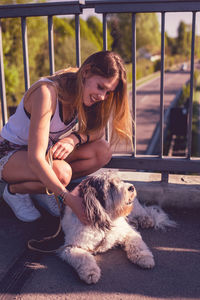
<point x="6" y="150"/>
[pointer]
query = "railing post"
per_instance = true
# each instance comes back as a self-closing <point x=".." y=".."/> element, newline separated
<point x="51" y="44"/>
<point x="162" y="82"/>
<point x="189" y="132"/>
<point x="2" y="83"/>
<point x="25" y="53"/>
<point x="105" y="45"/>
<point x="165" y="177"/>
<point x="134" y="80"/>
<point x="77" y="29"/>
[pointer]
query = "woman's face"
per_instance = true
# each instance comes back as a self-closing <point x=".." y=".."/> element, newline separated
<point x="98" y="88"/>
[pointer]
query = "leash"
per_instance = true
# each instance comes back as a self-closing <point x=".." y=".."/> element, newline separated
<point x="31" y="242"/>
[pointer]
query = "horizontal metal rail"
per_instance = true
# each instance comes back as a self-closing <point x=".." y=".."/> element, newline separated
<point x="104" y="7"/>
<point x="100" y="6"/>
<point x="40" y="9"/>
<point x="157" y="164"/>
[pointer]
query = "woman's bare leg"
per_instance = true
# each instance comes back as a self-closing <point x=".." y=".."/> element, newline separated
<point x="89" y="158"/>
<point x="22" y="180"/>
<point x="85" y="160"/>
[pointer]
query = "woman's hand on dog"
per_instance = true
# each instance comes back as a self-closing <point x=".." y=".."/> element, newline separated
<point x="76" y="204"/>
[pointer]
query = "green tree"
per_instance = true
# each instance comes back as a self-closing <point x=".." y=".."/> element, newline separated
<point x="89" y="42"/>
<point x="38" y="49"/>
<point x="13" y="61"/>
<point x="147" y="33"/>
<point x="96" y="27"/>
<point x="183" y="40"/>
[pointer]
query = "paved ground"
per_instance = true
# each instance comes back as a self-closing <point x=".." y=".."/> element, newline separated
<point x="25" y="274"/>
<point x="148" y="106"/>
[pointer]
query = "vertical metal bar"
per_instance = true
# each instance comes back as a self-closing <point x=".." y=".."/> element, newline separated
<point x="25" y="53"/>
<point x="165" y="177"/>
<point x="189" y="132"/>
<point x="105" y="45"/>
<point x="162" y="83"/>
<point x="77" y="28"/>
<point x="51" y="44"/>
<point x="2" y="83"/>
<point x="107" y="130"/>
<point x="134" y="80"/>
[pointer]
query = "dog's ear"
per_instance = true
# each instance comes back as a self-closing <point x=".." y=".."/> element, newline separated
<point x="94" y="210"/>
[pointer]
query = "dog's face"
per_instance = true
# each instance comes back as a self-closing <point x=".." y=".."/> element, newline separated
<point x="106" y="197"/>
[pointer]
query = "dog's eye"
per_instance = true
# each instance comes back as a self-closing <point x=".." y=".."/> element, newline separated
<point x="131" y="188"/>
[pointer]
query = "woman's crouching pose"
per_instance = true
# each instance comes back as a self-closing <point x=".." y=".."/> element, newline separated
<point x="67" y="113"/>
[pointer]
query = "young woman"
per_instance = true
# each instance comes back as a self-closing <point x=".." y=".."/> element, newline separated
<point x="66" y="112"/>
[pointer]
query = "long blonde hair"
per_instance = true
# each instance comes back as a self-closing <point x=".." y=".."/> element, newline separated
<point x="70" y="86"/>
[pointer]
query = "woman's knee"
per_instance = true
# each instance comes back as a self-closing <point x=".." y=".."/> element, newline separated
<point x="63" y="171"/>
<point x="103" y="152"/>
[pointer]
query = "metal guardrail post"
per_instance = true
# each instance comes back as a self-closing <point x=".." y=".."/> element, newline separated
<point x="134" y="81"/>
<point x="2" y="81"/>
<point x="51" y="44"/>
<point x="77" y="29"/>
<point x="162" y="83"/>
<point x="105" y="44"/>
<point x="25" y="53"/>
<point x="189" y="133"/>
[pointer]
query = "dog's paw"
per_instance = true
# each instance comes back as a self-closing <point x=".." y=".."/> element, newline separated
<point x="91" y="274"/>
<point x="146" y="222"/>
<point x="146" y="260"/>
<point x="133" y="222"/>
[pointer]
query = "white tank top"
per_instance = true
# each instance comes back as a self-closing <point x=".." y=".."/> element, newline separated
<point x="16" y="130"/>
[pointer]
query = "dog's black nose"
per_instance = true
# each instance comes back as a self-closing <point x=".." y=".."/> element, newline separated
<point x="131" y="188"/>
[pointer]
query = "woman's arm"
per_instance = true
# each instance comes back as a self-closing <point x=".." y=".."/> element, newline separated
<point x="65" y="146"/>
<point x="43" y="104"/>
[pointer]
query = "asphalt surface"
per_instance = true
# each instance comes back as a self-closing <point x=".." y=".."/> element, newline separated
<point x="25" y="274"/>
<point x="148" y="106"/>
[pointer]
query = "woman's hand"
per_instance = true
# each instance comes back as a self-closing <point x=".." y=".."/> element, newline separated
<point x="76" y="204"/>
<point x="63" y="148"/>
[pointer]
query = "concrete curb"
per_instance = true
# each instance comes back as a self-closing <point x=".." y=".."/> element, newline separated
<point x="181" y="191"/>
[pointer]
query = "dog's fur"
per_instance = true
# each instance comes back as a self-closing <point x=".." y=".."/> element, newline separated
<point x="108" y="201"/>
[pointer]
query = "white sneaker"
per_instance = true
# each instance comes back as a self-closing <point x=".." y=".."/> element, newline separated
<point x="21" y="205"/>
<point x="48" y="202"/>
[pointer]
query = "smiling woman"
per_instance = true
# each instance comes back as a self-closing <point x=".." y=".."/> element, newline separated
<point x="67" y="113"/>
<point x="98" y="88"/>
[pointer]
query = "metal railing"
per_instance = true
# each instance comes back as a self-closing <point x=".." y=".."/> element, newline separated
<point x="159" y="163"/>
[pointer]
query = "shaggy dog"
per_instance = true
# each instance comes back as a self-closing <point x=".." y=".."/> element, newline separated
<point x="108" y="201"/>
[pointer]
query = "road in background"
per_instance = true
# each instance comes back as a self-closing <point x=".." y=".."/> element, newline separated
<point x="148" y="105"/>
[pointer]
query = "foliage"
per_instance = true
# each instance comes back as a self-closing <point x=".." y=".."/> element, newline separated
<point x="183" y="40"/>
<point x="38" y="49"/>
<point x="13" y="63"/>
<point x="147" y="33"/>
<point x="186" y="89"/>
<point x="91" y="32"/>
<point x="96" y="26"/>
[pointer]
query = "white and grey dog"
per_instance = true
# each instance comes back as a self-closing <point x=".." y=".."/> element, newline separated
<point x="108" y="201"/>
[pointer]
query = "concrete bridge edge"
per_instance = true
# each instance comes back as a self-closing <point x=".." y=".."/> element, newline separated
<point x="180" y="191"/>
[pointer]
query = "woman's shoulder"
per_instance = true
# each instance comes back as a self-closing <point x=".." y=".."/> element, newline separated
<point x="42" y="91"/>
